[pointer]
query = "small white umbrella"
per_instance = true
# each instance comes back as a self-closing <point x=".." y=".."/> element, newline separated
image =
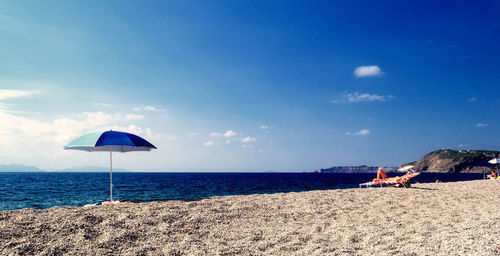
<point x="494" y="161"/>
<point x="406" y="168"/>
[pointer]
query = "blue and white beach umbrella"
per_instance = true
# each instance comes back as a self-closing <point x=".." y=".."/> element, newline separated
<point x="110" y="141"/>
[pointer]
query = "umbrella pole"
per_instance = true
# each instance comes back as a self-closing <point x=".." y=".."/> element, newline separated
<point x="111" y="176"/>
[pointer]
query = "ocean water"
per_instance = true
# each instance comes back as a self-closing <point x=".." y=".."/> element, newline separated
<point x="45" y="190"/>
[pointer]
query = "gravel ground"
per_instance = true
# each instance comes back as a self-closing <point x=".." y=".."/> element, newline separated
<point x="428" y="219"/>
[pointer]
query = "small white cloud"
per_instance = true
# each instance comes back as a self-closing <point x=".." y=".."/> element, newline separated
<point x="208" y="143"/>
<point x="229" y="134"/>
<point x="472" y="99"/>
<point x="131" y="117"/>
<point x="149" y="109"/>
<point x="215" y="134"/>
<point x="360" y="97"/>
<point x="365" y="71"/>
<point x="481" y="125"/>
<point x="462" y="145"/>
<point x="363" y="132"/>
<point x="7" y="94"/>
<point x="248" y="139"/>
<point x="357" y="97"/>
<point x="227" y="142"/>
<point x="246" y="146"/>
<point x="347" y="133"/>
<point x="264" y="127"/>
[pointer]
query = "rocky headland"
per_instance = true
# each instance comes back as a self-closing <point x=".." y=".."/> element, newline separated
<point x="449" y="160"/>
<point x="443" y="160"/>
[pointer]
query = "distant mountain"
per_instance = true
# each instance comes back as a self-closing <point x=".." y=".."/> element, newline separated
<point x="449" y="160"/>
<point x="91" y="169"/>
<point x="19" y="168"/>
<point x="353" y="169"/>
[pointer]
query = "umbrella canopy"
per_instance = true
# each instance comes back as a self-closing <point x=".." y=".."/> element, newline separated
<point x="494" y="161"/>
<point x="110" y="141"/>
<point x="406" y="168"/>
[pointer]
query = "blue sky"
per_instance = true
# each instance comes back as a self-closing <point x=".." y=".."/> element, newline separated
<point x="248" y="85"/>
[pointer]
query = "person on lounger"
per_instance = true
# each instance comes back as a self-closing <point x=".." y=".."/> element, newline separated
<point x="493" y="175"/>
<point x="381" y="175"/>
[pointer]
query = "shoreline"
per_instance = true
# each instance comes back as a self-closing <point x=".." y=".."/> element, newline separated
<point x="335" y="187"/>
<point x="427" y="219"/>
<point x="179" y="186"/>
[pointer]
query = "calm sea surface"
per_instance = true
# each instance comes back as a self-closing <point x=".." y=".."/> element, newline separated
<point x="45" y="190"/>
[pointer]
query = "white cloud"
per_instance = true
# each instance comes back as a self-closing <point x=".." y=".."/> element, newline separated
<point x="131" y="117"/>
<point x="248" y="139"/>
<point x="227" y="142"/>
<point x="25" y="132"/>
<point x="481" y="125"/>
<point x="365" y="71"/>
<point x="42" y="137"/>
<point x="246" y="146"/>
<point x="7" y="94"/>
<point x="20" y="134"/>
<point x="472" y="99"/>
<point x="347" y="133"/>
<point x="263" y="127"/>
<point x="150" y="108"/>
<point x="208" y="143"/>
<point x="229" y="134"/>
<point x="215" y="134"/>
<point x="98" y="118"/>
<point x="357" y="97"/>
<point x="362" y="132"/>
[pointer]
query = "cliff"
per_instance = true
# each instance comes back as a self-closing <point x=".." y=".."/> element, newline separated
<point x="448" y="160"/>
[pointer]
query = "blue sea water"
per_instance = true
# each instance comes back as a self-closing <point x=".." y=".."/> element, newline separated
<point x="45" y="190"/>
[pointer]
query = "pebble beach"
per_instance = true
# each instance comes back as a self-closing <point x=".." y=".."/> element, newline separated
<point x="456" y="218"/>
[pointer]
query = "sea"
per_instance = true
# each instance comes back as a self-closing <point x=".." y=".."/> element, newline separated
<point x="41" y="190"/>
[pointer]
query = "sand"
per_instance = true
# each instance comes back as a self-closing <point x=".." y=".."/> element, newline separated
<point x="428" y="219"/>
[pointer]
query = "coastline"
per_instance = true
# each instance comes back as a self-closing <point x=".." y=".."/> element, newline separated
<point x="427" y="219"/>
